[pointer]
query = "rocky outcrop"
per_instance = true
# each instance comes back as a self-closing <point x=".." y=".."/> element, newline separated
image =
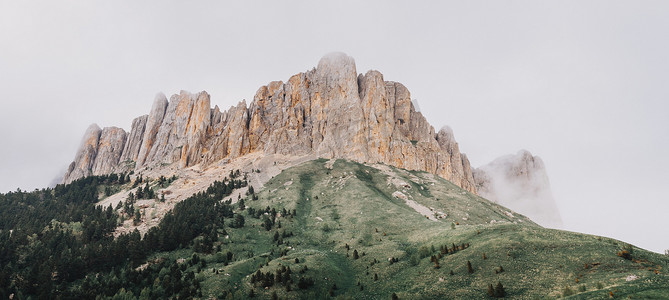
<point x="520" y="183"/>
<point x="110" y="147"/>
<point x="330" y="111"/>
<point x="85" y="159"/>
<point x="153" y="124"/>
<point x="132" y="146"/>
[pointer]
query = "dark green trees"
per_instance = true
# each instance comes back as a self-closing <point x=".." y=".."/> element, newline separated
<point x="497" y="292"/>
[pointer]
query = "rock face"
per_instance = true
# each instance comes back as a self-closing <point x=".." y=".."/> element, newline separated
<point x="330" y="111"/>
<point x="131" y="150"/>
<point x="520" y="183"/>
<point x="85" y="159"/>
<point x="110" y="146"/>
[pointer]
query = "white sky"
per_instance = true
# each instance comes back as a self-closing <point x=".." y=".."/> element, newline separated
<point x="582" y="84"/>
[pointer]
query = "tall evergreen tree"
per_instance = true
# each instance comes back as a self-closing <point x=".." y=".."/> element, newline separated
<point x="499" y="290"/>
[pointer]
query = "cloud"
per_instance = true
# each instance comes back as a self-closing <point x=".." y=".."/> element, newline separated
<point x="520" y="182"/>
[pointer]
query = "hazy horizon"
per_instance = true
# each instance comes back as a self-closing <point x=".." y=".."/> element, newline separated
<point x="582" y="85"/>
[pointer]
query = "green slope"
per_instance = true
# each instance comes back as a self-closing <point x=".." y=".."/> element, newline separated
<point x="353" y="204"/>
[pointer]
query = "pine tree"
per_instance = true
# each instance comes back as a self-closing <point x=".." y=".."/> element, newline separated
<point x="139" y="194"/>
<point x="394" y="297"/>
<point x="355" y="254"/>
<point x="499" y="290"/>
<point x="491" y="291"/>
<point x="138" y="217"/>
<point x="469" y="267"/>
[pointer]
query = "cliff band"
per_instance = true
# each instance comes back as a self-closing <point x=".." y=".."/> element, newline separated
<point x="329" y="111"/>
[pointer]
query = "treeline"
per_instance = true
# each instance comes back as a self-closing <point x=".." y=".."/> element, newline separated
<point x="31" y="212"/>
<point x="53" y="240"/>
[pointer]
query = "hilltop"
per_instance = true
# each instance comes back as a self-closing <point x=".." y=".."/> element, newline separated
<point x="396" y="220"/>
<point x="320" y="229"/>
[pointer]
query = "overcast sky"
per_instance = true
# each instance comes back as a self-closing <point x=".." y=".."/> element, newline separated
<point x="582" y="84"/>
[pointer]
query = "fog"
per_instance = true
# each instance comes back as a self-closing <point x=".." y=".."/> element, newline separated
<point x="519" y="181"/>
<point x="580" y="84"/>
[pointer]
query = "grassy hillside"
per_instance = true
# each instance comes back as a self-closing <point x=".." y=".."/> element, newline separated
<point x="353" y="233"/>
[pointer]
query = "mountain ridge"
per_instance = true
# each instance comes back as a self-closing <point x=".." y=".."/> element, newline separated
<point x="330" y="111"/>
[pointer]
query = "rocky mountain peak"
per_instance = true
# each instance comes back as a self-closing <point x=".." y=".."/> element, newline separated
<point x="330" y="111"/>
<point x="519" y="182"/>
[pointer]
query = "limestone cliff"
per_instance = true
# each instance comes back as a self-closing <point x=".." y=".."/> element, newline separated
<point x="519" y="182"/>
<point x="82" y="165"/>
<point x="331" y="111"/>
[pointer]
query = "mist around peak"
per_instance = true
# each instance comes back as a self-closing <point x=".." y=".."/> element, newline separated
<point x="519" y="181"/>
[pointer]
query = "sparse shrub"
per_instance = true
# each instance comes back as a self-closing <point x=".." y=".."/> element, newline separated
<point x="334" y="214"/>
<point x="423" y="252"/>
<point x="567" y="291"/>
<point x="366" y="239"/>
<point x="413" y="260"/>
<point x="600" y="285"/>
<point x="581" y="288"/>
<point x="626" y="252"/>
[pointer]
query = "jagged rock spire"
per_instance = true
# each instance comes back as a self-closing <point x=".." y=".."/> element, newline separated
<point x="330" y="111"/>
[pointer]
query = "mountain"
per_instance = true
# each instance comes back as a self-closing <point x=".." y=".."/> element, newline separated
<point x="330" y="185"/>
<point x="519" y="182"/>
<point x="320" y="229"/>
<point x="329" y="111"/>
